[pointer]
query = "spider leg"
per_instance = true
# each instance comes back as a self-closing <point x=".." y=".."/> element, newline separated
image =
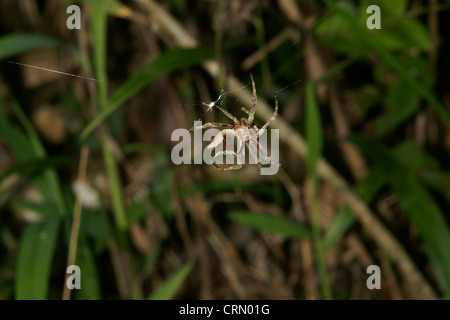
<point x="211" y="125"/>
<point x="275" y="113"/>
<point x="240" y="148"/>
<point x="252" y="111"/>
<point x="232" y="167"/>
<point x="258" y="152"/>
<point x="224" y="153"/>
<point x="245" y="110"/>
<point x="229" y="115"/>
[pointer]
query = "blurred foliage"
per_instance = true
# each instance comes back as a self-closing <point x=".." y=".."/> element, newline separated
<point x="161" y="231"/>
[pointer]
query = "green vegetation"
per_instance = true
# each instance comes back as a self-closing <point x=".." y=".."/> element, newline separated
<point x="369" y="184"/>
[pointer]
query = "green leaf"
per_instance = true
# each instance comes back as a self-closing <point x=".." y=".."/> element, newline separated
<point x="27" y="147"/>
<point x="339" y="67"/>
<point x="341" y="223"/>
<point x="18" y="43"/>
<point x="136" y="211"/>
<point x="265" y="222"/>
<point x="413" y="157"/>
<point x="402" y="103"/>
<point x="36" y="166"/>
<point x="368" y="187"/>
<point x="165" y="63"/>
<point x="426" y="216"/>
<point x="22" y="148"/>
<point x="161" y="191"/>
<point x="53" y="187"/>
<point x="15" y="137"/>
<point x="99" y="30"/>
<point x="45" y="209"/>
<point x="170" y="287"/>
<point x="336" y="31"/>
<point x="419" y="206"/>
<point x="403" y="35"/>
<point x="90" y="285"/>
<point x="96" y="225"/>
<point x="390" y="10"/>
<point x="161" y="186"/>
<point x="314" y="139"/>
<point x="398" y="31"/>
<point x="37" y="246"/>
<point x="150" y="261"/>
<point x="438" y="181"/>
<point x="364" y="36"/>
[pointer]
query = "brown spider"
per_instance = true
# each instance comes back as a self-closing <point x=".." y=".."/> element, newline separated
<point x="244" y="130"/>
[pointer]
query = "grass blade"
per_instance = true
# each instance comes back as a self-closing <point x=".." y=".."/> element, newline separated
<point x="17" y="43"/>
<point x="288" y="228"/>
<point x="90" y="286"/>
<point x="27" y="147"/>
<point x="50" y="175"/>
<point x="170" y="287"/>
<point x="167" y="62"/>
<point x="423" y="213"/>
<point x="371" y="184"/>
<point x="419" y="206"/>
<point x="403" y="104"/>
<point x="46" y="210"/>
<point x="99" y="26"/>
<point x="33" y="268"/>
<point x="32" y="167"/>
<point x="341" y="223"/>
<point x="314" y="138"/>
<point x="162" y="186"/>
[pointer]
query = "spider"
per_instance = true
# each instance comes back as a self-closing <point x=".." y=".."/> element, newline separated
<point x="246" y="132"/>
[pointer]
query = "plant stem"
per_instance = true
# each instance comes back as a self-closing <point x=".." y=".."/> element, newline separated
<point x="99" y="30"/>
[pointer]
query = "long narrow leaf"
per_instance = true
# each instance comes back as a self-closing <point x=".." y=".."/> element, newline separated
<point x="32" y="167"/>
<point x="169" y="288"/>
<point x="341" y="223"/>
<point x="420" y="208"/>
<point x="90" y="285"/>
<point x="17" y="43"/>
<point x="426" y="216"/>
<point x="314" y="139"/>
<point x="99" y="26"/>
<point x="45" y="210"/>
<point x="50" y="175"/>
<point x="263" y="222"/>
<point x="167" y="62"/>
<point x="371" y="184"/>
<point x="27" y="147"/>
<point x="33" y="268"/>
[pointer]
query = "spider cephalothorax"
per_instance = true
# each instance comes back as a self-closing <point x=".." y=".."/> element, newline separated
<point x="244" y="131"/>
